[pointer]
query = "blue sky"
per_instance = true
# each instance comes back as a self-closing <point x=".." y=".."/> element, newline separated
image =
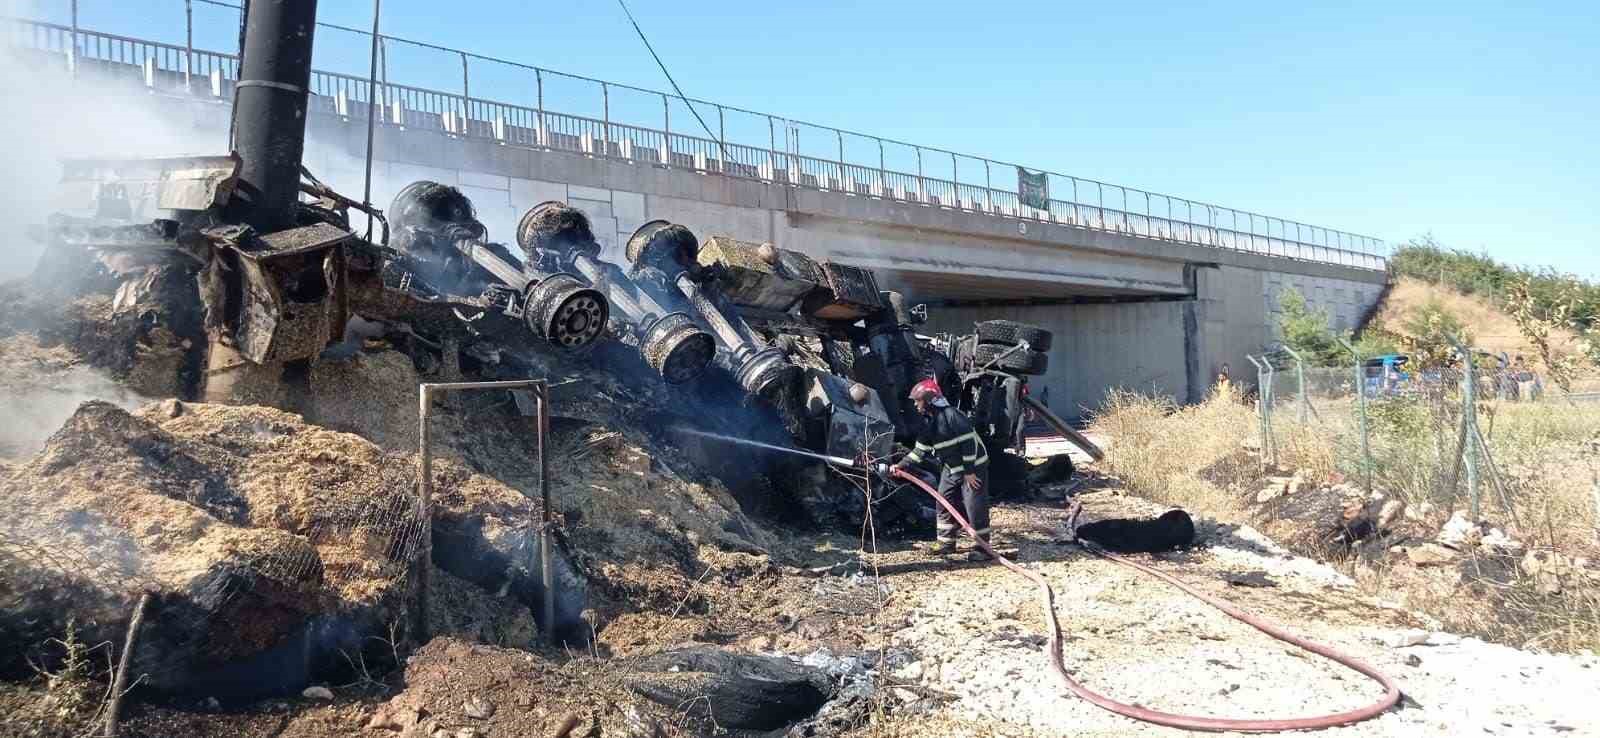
<point x="1474" y="121"/>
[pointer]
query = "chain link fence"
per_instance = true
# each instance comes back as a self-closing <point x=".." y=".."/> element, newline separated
<point x="1489" y="441"/>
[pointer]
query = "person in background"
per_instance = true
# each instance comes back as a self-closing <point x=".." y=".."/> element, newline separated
<point x="1224" y="381"/>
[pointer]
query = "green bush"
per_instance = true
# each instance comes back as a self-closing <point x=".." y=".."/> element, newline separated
<point x="1306" y="331"/>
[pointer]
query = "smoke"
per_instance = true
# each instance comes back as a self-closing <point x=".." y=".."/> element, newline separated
<point x="50" y="116"/>
<point x="34" y="405"/>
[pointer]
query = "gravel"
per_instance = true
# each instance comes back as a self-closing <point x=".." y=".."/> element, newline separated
<point x="1138" y="640"/>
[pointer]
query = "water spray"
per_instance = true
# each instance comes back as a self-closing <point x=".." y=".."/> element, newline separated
<point x="834" y="460"/>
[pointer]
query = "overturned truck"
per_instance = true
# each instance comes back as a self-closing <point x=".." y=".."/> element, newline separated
<point x="831" y="355"/>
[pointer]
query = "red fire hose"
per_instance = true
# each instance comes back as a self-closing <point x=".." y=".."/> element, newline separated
<point x="1391" y="693"/>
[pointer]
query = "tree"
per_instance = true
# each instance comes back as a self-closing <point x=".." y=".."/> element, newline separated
<point x="1306" y="330"/>
<point x="1428" y="333"/>
<point x="1537" y="321"/>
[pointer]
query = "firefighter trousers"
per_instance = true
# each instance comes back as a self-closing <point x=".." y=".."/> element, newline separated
<point x="974" y="504"/>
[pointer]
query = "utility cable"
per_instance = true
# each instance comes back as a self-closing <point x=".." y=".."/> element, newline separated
<point x="675" y="88"/>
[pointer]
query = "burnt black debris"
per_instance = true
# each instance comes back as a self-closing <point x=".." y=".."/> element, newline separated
<point x="1173" y="530"/>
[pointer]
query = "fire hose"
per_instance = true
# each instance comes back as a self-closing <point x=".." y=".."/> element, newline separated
<point x="1047" y="600"/>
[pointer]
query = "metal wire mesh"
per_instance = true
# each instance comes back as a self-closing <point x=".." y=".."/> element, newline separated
<point x="281" y="554"/>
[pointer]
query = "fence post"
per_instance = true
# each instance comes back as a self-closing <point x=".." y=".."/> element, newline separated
<point x="922" y="186"/>
<point x="1596" y="492"/>
<point x="1361" y="412"/>
<point x="541" y="392"/>
<point x="1469" y="422"/>
<point x="605" y="119"/>
<point x="1300" y="379"/>
<point x="1261" y="417"/>
<point x="547" y="519"/>
<point x="1268" y="399"/>
<point x="424" y="511"/>
<point x="955" y="181"/>
<point x="988" y="189"/>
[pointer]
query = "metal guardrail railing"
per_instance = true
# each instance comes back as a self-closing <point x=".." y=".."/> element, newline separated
<point x="1092" y="204"/>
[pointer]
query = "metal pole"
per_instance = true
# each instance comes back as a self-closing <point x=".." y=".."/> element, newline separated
<point x="883" y="179"/>
<point x="840" y="135"/>
<point x="72" y="48"/>
<point x="955" y="181"/>
<point x="383" y="73"/>
<point x="541" y="392"/>
<point x="538" y="80"/>
<point x="605" y="118"/>
<point x="466" y="94"/>
<point x="722" y="135"/>
<point x="1268" y="399"/>
<point x="424" y="509"/>
<point x="1469" y="422"/>
<point x="372" y="112"/>
<point x="188" y="45"/>
<point x="988" y="187"/>
<point x="772" y="146"/>
<point x="1300" y="379"/>
<point x="546" y="564"/>
<point x="1261" y="418"/>
<point x="922" y="185"/>
<point x="666" y="131"/>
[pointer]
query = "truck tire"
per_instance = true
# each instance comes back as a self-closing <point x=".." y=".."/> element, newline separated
<point x="1018" y="362"/>
<point x="1011" y="333"/>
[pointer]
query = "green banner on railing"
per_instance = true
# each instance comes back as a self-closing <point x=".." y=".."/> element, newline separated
<point x="1033" y="188"/>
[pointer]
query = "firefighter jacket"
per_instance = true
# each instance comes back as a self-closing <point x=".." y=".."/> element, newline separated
<point x="947" y="437"/>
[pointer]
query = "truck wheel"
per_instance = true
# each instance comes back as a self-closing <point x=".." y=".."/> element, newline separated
<point x="1011" y="333"/>
<point x="1019" y="361"/>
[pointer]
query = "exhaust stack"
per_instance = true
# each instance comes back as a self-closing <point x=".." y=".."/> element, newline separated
<point x="668" y="337"/>
<point x="269" y="109"/>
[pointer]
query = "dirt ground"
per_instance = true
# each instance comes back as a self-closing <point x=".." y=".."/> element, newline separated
<point x="938" y="647"/>
<point x="958" y="649"/>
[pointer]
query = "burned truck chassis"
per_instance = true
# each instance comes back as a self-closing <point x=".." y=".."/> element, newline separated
<point x="818" y="343"/>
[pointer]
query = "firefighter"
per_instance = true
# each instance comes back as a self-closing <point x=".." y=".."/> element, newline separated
<point x="947" y="437"/>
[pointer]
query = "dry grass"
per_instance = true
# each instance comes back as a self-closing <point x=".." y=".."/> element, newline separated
<point x="1540" y="483"/>
<point x="68" y="698"/>
<point x="1493" y="329"/>
<point x="1159" y="449"/>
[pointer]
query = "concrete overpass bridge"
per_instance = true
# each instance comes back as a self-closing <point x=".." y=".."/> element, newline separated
<point x="1145" y="291"/>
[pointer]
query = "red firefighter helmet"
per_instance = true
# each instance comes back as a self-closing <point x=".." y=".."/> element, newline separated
<point x="927" y="389"/>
